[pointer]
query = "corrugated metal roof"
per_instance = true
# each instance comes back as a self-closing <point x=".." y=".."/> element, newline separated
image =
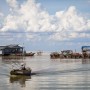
<point x="2" y="47"/>
<point x="10" y="46"/>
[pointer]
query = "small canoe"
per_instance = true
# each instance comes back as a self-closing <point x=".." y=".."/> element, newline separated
<point x="26" y="72"/>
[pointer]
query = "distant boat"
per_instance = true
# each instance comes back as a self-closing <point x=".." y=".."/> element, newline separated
<point x="39" y="53"/>
<point x="54" y="55"/>
<point x="29" y="54"/>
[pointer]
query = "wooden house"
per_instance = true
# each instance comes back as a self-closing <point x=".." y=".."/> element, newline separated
<point x="11" y="50"/>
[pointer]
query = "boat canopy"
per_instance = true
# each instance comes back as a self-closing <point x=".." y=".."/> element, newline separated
<point x="85" y="48"/>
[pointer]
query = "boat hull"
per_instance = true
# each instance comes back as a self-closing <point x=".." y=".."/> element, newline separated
<point x="21" y="72"/>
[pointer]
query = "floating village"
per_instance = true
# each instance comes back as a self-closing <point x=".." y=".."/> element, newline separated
<point x="19" y="51"/>
<point x="69" y="54"/>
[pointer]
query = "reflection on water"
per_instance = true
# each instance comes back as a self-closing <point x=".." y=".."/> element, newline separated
<point x="19" y="79"/>
<point x="85" y="61"/>
<point x="12" y="57"/>
<point x="50" y="74"/>
<point x="12" y="61"/>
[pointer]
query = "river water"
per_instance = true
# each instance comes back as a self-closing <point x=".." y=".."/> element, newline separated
<point x="51" y="74"/>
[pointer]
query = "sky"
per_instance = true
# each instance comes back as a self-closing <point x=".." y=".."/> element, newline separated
<point x="47" y="25"/>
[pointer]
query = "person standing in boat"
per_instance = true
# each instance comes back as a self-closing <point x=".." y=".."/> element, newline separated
<point x="23" y="66"/>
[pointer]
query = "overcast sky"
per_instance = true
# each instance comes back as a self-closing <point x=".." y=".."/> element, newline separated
<point x="48" y="25"/>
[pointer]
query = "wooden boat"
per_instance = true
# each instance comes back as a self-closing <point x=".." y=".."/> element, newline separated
<point x="54" y="55"/>
<point x="29" y="54"/>
<point x="39" y="53"/>
<point x="26" y="72"/>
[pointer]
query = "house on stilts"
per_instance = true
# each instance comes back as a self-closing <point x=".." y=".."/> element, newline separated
<point x="13" y="49"/>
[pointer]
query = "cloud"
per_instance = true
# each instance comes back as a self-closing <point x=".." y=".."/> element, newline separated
<point x="12" y="3"/>
<point x="1" y="19"/>
<point x="33" y="37"/>
<point x="70" y="20"/>
<point x="9" y="23"/>
<point x="68" y="36"/>
<point x="29" y="16"/>
<point x="1" y="15"/>
<point x="70" y="25"/>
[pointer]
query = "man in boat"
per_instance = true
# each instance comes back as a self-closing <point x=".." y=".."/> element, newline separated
<point x="22" y="71"/>
<point x="23" y="66"/>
